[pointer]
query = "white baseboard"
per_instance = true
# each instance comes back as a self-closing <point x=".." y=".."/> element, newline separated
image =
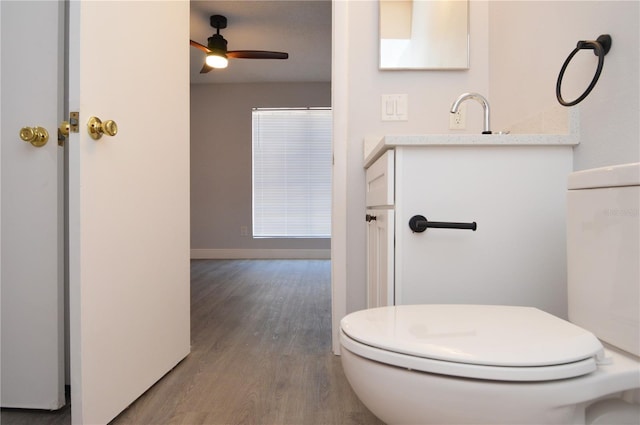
<point x="233" y="254"/>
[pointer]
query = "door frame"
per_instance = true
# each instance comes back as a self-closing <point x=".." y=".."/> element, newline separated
<point x="339" y="227"/>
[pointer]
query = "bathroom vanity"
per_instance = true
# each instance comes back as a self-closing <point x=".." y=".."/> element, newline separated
<point x="512" y="186"/>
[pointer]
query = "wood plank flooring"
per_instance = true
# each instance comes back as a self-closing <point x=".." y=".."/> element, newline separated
<point x="261" y="353"/>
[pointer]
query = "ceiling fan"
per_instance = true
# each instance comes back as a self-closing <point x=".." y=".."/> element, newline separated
<point x="217" y="53"/>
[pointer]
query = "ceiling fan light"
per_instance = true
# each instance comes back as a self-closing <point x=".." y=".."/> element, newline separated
<point x="216" y="60"/>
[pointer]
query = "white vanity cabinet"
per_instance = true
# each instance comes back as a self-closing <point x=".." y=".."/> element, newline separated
<point x="515" y="194"/>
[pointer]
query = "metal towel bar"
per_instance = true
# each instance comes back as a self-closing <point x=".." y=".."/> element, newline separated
<point x="419" y="223"/>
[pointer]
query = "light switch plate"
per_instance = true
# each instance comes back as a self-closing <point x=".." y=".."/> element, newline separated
<point x="394" y="107"/>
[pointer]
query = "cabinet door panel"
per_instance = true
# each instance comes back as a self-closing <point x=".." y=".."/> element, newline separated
<point x="380" y="258"/>
<point x="381" y="181"/>
<point x="516" y="194"/>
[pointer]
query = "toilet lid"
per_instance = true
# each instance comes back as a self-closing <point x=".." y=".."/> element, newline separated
<point x="497" y="337"/>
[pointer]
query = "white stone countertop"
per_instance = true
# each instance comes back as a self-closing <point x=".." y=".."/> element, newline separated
<point x="375" y="147"/>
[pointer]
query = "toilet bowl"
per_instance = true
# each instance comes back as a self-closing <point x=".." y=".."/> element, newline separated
<point x="484" y="364"/>
<point x="490" y="365"/>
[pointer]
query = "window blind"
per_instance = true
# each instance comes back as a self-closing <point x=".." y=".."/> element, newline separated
<point x="292" y="173"/>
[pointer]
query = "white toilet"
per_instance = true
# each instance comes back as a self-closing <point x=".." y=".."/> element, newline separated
<point x="480" y="364"/>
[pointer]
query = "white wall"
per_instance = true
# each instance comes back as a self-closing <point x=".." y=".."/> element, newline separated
<point x="517" y="49"/>
<point x="221" y="167"/>
<point x="529" y="42"/>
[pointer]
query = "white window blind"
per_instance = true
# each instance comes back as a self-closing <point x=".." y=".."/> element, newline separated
<point x="292" y="173"/>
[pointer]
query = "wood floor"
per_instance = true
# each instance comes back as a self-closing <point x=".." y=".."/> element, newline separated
<point x="261" y="353"/>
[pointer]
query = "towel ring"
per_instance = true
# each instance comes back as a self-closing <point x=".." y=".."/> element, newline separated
<point x="600" y="47"/>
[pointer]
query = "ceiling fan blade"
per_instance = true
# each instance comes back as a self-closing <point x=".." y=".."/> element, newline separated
<point x="199" y="46"/>
<point x="256" y="54"/>
<point x="205" y="68"/>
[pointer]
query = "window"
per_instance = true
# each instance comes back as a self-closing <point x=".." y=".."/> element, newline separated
<point x="292" y="173"/>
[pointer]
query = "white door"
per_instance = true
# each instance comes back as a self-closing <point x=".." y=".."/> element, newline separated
<point x="128" y="201"/>
<point x="32" y="286"/>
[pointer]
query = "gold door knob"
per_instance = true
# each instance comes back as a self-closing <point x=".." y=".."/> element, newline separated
<point x="37" y="136"/>
<point x="63" y="132"/>
<point x="97" y="128"/>
<point x="65" y="128"/>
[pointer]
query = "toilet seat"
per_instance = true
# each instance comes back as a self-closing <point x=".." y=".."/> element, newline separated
<point x="503" y="343"/>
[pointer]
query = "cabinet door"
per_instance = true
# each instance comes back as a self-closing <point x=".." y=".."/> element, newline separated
<point x="380" y="177"/>
<point x="380" y="258"/>
<point x="515" y="194"/>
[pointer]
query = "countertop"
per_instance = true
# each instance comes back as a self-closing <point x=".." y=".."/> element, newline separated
<point x="375" y="147"/>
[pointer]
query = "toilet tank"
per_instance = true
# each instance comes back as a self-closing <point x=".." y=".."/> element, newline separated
<point x="603" y="253"/>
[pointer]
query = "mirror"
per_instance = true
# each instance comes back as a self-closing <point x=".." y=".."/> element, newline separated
<point x="424" y="34"/>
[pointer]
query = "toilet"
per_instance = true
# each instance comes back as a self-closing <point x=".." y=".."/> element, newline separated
<point x="496" y="364"/>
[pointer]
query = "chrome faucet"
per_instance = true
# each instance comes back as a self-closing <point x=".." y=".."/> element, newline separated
<point x="483" y="102"/>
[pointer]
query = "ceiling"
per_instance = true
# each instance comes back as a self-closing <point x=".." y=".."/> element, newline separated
<point x="301" y="28"/>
